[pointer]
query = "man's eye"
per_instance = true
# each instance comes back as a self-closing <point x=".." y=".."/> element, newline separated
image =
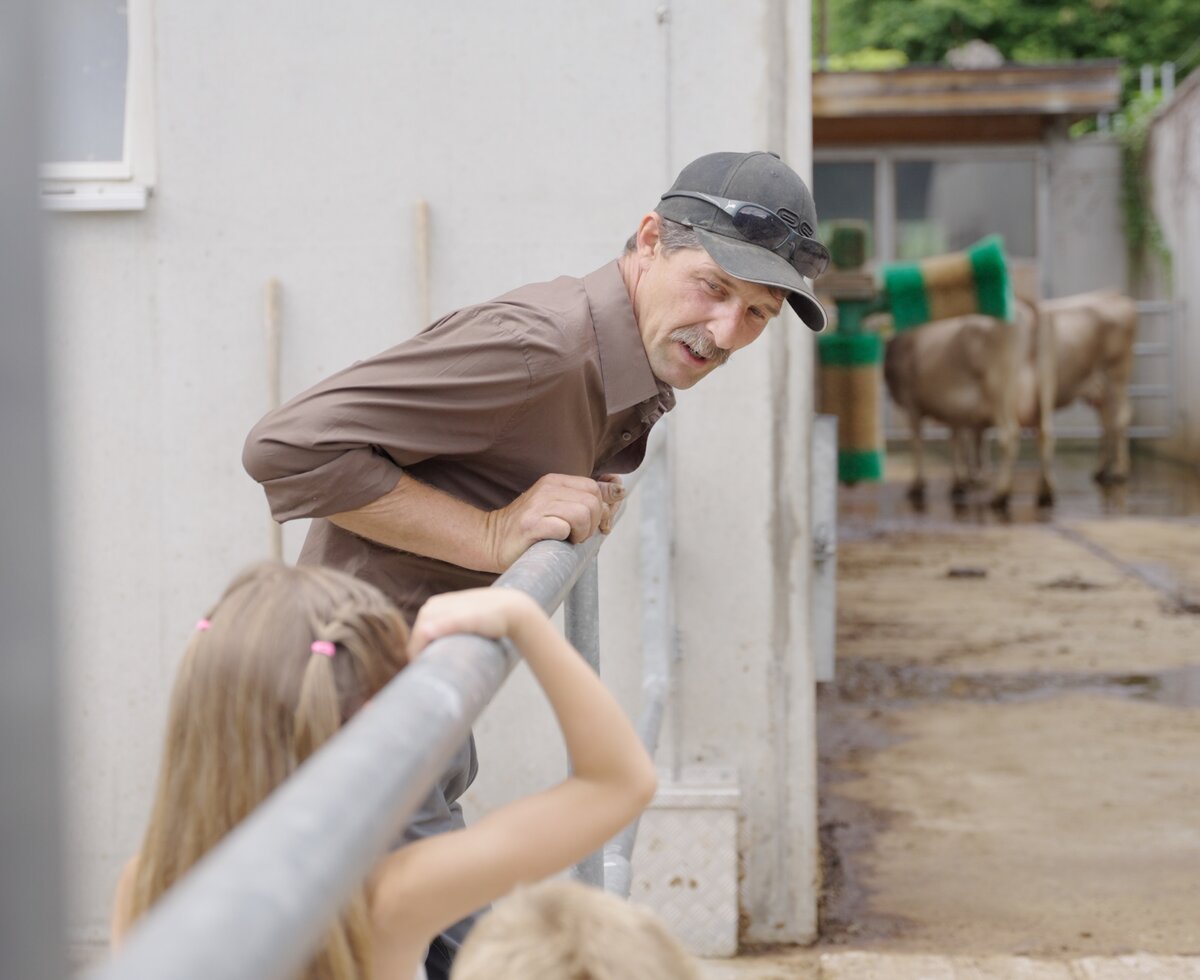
<point x="757" y="313"/>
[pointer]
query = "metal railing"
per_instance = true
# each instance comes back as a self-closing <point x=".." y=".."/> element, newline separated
<point x="1155" y="403"/>
<point x="256" y="905"/>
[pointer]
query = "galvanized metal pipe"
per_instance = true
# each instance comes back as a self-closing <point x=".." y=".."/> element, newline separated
<point x="581" y="624"/>
<point x="823" y="625"/>
<point x="611" y="868"/>
<point x="659" y="638"/>
<point x="659" y="643"/>
<point x="258" y="903"/>
<point x="255" y="907"/>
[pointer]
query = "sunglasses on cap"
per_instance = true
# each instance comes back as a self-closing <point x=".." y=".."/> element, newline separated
<point x="761" y="226"/>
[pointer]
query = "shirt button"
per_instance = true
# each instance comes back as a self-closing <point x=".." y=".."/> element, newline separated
<point x="626" y="436"/>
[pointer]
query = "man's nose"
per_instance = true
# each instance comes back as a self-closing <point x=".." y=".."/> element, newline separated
<point x="726" y="326"/>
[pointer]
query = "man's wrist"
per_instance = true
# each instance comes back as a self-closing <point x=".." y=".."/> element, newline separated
<point x="489" y="540"/>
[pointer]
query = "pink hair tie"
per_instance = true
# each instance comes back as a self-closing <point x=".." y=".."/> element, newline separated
<point x="202" y="625"/>
<point x="323" y="647"/>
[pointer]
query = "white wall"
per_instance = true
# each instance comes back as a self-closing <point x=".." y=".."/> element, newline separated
<point x="293" y="139"/>
<point x="1174" y="176"/>
<point x="1087" y="241"/>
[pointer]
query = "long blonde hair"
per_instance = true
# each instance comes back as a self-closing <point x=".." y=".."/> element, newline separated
<point x="251" y="702"/>
<point x="557" y="929"/>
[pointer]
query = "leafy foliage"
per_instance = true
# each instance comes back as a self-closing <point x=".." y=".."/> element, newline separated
<point x="868" y="59"/>
<point x="1143" y="234"/>
<point x="1029" y="31"/>
<point x="861" y="33"/>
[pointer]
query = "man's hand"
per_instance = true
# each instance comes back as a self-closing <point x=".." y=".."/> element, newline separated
<point x="557" y="507"/>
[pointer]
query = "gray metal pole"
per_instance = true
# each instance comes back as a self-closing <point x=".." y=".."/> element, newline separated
<point x="581" y="623"/>
<point x="254" y="908"/>
<point x="659" y="637"/>
<point x="824" y="546"/>
<point x="610" y="867"/>
<point x="31" y="871"/>
<point x="581" y="619"/>
<point x="659" y="644"/>
<point x="257" y="904"/>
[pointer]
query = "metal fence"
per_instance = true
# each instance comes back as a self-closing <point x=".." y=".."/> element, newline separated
<point x="1154" y="387"/>
<point x="256" y="905"/>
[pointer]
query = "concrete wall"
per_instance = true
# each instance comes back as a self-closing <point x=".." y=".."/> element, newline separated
<point x="1086" y="242"/>
<point x="293" y="140"/>
<point x="1086" y="229"/>
<point x="1174" y="176"/>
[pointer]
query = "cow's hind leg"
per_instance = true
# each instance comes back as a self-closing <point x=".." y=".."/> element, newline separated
<point x="1046" y="380"/>
<point x="1008" y="429"/>
<point x="1046" y="491"/>
<point x="1008" y="436"/>
<point x="960" y="464"/>
<point x="916" y="489"/>
<point x="977" y="460"/>
<point x="1115" y="414"/>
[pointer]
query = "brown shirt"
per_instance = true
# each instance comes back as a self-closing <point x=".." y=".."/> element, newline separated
<point x="550" y="378"/>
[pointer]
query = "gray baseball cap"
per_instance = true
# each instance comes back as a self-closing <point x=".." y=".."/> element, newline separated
<point x="757" y="220"/>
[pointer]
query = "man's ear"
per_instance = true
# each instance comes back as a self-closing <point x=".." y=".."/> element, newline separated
<point x="648" y="237"/>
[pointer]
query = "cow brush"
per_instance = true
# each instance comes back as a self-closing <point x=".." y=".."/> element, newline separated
<point x="972" y="281"/>
<point x="850" y="378"/>
<point x="975" y="280"/>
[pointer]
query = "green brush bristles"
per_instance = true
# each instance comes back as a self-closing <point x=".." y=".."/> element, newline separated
<point x="973" y="281"/>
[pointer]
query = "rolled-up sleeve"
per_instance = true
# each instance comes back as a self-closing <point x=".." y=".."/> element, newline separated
<point x="451" y="390"/>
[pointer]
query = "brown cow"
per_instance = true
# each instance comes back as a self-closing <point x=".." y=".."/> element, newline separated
<point x="974" y="372"/>
<point x="1093" y="357"/>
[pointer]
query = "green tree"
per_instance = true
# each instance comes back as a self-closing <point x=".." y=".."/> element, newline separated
<point x="1026" y="31"/>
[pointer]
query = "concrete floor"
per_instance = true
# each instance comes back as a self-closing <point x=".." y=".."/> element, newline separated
<point x="1010" y="754"/>
<point x="858" y="965"/>
<point x="1157" y="487"/>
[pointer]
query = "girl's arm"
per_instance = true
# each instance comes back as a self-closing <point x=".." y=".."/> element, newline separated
<point x="432" y="883"/>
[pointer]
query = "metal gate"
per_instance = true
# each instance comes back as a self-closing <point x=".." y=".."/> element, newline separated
<point x="1153" y="390"/>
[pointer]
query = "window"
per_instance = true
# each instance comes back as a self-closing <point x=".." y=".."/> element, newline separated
<point x="947" y="205"/>
<point x="919" y="202"/>
<point x="99" y="109"/>
<point x="845" y="190"/>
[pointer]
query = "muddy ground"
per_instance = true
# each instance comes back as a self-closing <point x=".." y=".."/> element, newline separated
<point x="1010" y="754"/>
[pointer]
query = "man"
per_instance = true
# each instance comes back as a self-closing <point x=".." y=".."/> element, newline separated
<point x="435" y="464"/>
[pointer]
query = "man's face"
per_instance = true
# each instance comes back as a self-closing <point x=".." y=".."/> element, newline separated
<point x="693" y="315"/>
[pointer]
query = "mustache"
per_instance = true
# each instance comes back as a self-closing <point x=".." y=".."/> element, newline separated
<point x="701" y="341"/>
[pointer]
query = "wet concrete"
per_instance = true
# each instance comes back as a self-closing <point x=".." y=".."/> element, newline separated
<point x="1010" y="752"/>
<point x="904" y="685"/>
<point x="862" y="965"/>
<point x="1157" y="487"/>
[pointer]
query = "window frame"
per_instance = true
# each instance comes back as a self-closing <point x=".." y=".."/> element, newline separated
<point x="125" y="184"/>
<point x="885" y="158"/>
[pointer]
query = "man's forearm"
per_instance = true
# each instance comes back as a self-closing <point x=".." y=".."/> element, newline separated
<point x="416" y="517"/>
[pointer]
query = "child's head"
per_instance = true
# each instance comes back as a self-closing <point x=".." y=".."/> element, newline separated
<point x="278" y="665"/>
<point x="562" y="930"/>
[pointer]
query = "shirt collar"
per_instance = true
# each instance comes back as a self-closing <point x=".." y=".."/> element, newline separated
<point x="624" y="367"/>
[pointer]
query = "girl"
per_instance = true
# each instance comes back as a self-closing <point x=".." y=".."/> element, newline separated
<point x="280" y="664"/>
